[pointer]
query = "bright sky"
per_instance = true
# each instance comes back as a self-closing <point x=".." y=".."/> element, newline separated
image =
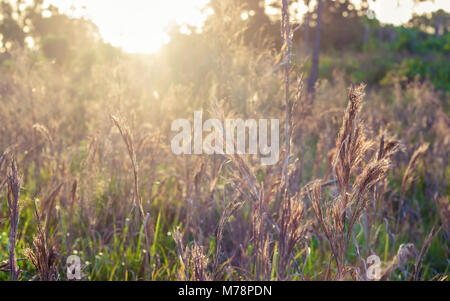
<point x="400" y="11"/>
<point x="139" y="25"/>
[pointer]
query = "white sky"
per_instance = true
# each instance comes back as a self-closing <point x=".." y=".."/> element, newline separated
<point x="388" y="11"/>
<point x="140" y="25"/>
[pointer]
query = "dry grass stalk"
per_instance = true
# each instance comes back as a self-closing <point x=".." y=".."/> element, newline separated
<point x="73" y="197"/>
<point x="199" y="263"/>
<point x="44" y="257"/>
<point x="405" y="252"/>
<point x="14" y="211"/>
<point x="292" y="232"/>
<point x="413" y="162"/>
<point x="47" y="207"/>
<point x="45" y="133"/>
<point x="444" y="212"/>
<point x="291" y="227"/>
<point x="387" y="147"/>
<point x="182" y="254"/>
<point x="230" y="209"/>
<point x="351" y="145"/>
<point x="193" y="260"/>
<point x="3" y="160"/>
<point x="287" y="47"/>
<point x="126" y="136"/>
<point x="338" y="218"/>
<point x="417" y="274"/>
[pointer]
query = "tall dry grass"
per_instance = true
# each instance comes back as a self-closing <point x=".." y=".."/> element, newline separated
<point x="352" y="180"/>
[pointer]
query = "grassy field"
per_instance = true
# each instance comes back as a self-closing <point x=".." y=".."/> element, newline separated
<point x="86" y="169"/>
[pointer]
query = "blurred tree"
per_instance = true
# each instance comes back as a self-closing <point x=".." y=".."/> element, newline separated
<point x="306" y="28"/>
<point x="259" y="25"/>
<point x="441" y="22"/>
<point x="438" y="22"/>
<point x="315" y="55"/>
<point x="58" y="36"/>
<point x="343" y="26"/>
<point x="11" y="27"/>
<point x="339" y="25"/>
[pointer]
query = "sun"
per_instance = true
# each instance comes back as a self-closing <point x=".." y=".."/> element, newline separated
<point x="137" y="26"/>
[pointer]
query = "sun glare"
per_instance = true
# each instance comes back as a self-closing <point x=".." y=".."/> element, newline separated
<point x="135" y="25"/>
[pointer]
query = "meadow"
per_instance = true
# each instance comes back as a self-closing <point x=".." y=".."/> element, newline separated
<point x="86" y="166"/>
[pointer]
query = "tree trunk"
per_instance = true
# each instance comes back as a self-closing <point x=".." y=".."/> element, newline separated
<point x="439" y="28"/>
<point x="315" y="59"/>
<point x="366" y="35"/>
